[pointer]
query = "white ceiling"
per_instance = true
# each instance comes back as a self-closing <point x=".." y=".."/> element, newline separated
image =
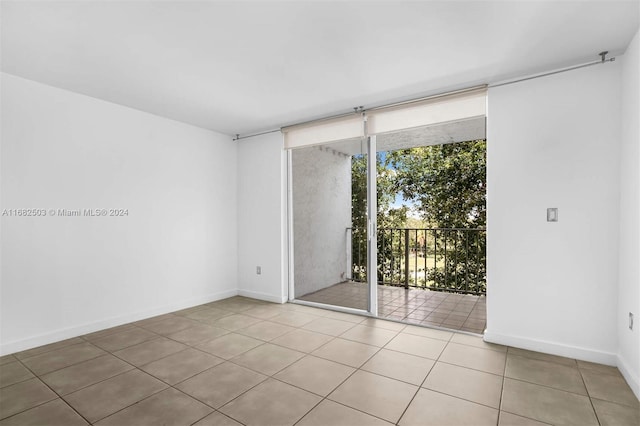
<point x="241" y="67"/>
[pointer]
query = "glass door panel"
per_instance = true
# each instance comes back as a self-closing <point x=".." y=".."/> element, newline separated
<point x="331" y="227"/>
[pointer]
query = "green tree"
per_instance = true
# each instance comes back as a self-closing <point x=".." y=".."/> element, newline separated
<point x="447" y="186"/>
<point x="447" y="183"/>
<point x="387" y="188"/>
<point x="387" y="216"/>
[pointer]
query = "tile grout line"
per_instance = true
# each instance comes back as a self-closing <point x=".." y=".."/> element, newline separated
<point x="526" y="417"/>
<point x="460" y="398"/>
<point x="19" y="381"/>
<point x="261" y="382"/>
<point x="100" y="381"/>
<point x="593" y="407"/>
<point x="548" y="387"/>
<point x="155" y="336"/>
<point x="109" y="378"/>
<point x="425" y="379"/>
<point x="453" y="396"/>
<point x="15" y="354"/>
<point x="504" y="374"/>
<point x="52" y="390"/>
<point x="158" y="336"/>
<point x="281" y="381"/>
<point x="134" y="367"/>
<point x="195" y="347"/>
<point x="130" y="324"/>
<point x="156" y="393"/>
<point x="326" y="397"/>
<point x="419" y="387"/>
<point x="35" y="406"/>
<point x="52" y="350"/>
<point x="427" y="376"/>
<point x="130" y="405"/>
<point x="271" y="376"/>
<point x="160" y="380"/>
<point x="104" y="352"/>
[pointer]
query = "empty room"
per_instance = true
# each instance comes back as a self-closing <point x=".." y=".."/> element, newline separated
<point x="317" y="213"/>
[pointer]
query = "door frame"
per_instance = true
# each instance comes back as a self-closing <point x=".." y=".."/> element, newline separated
<point x="372" y="245"/>
<point x="372" y="231"/>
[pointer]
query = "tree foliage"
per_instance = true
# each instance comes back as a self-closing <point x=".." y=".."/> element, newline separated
<point x="386" y="185"/>
<point x="387" y="217"/>
<point x="446" y="184"/>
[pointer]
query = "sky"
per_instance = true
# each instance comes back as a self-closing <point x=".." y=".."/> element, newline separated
<point x="399" y="201"/>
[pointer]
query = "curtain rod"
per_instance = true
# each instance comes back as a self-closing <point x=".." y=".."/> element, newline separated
<point x="603" y="56"/>
<point x="361" y="109"/>
<point x="237" y="136"/>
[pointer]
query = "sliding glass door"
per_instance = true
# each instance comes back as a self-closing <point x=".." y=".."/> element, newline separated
<point x="332" y="207"/>
<point x="425" y="160"/>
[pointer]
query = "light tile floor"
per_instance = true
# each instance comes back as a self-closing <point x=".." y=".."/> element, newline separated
<point x="464" y="312"/>
<point x="241" y="361"/>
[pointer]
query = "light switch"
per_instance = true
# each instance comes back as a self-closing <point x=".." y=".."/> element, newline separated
<point x="552" y="214"/>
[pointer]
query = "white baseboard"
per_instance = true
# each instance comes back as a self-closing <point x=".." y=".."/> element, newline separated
<point x="553" y="348"/>
<point x="262" y="296"/>
<point x="67" y="333"/>
<point x="633" y="379"/>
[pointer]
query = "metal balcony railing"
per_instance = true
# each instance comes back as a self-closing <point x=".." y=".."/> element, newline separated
<point x="440" y="259"/>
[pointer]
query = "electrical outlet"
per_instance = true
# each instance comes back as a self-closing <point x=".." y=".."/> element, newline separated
<point x="258" y="270"/>
<point x="630" y="321"/>
<point x="552" y="214"/>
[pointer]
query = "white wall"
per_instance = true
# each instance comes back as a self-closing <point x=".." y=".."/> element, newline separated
<point x="321" y="202"/>
<point x="64" y="276"/>
<point x="555" y="142"/>
<point x="629" y="274"/>
<point x="262" y="217"/>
